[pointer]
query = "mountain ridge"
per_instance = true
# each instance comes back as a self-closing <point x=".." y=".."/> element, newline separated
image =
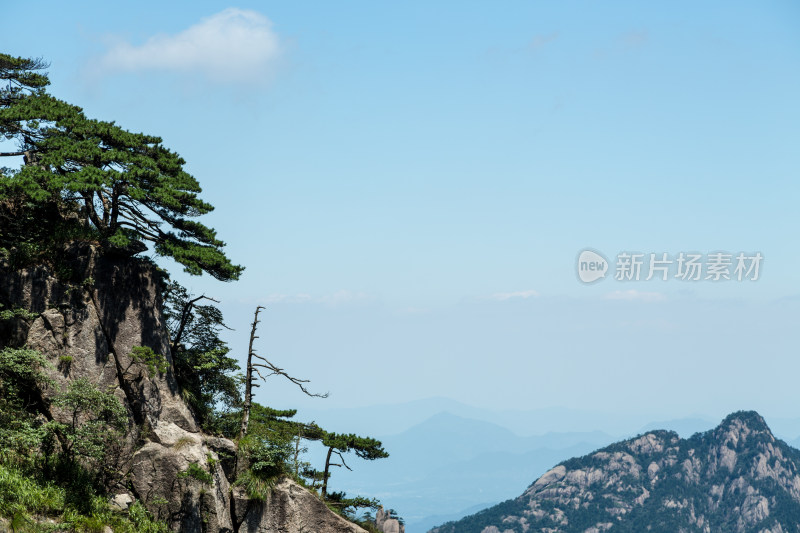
<point x="736" y="477"/>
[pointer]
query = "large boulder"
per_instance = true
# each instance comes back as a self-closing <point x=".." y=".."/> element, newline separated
<point x="289" y="508"/>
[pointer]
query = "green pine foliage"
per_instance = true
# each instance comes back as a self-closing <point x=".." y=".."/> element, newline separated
<point x="364" y="447"/>
<point x="340" y="443"/>
<point x="267" y="449"/>
<point x="121" y="188"/>
<point x="348" y="507"/>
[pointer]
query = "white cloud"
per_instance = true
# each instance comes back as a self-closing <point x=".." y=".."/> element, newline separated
<point x="503" y="296"/>
<point x="285" y="298"/>
<point x="635" y="39"/>
<point x="414" y="310"/>
<point x="634" y="295"/>
<point x="343" y="297"/>
<point x="337" y="298"/>
<point x="235" y="45"/>
<point x="663" y="325"/>
<point x="540" y="40"/>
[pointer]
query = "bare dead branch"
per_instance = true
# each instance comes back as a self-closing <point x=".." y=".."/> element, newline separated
<point x="272" y="370"/>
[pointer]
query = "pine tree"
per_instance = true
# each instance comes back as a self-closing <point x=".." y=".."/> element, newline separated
<point x="127" y="187"/>
<point x="364" y="447"/>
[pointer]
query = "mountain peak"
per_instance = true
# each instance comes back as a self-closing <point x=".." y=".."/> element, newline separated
<point x="740" y="427"/>
<point x="751" y="420"/>
<point x="734" y="478"/>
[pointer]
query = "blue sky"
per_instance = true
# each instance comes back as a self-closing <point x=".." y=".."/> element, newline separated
<point x="409" y="186"/>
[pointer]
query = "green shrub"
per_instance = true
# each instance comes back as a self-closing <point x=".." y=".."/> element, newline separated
<point x="21" y="371"/>
<point x="153" y="361"/>
<point x="195" y="471"/>
<point x="143" y="522"/>
<point x="102" y="419"/>
<point x="64" y="363"/>
<point x="256" y="488"/>
<point x="17" y="312"/>
<point x="100" y="515"/>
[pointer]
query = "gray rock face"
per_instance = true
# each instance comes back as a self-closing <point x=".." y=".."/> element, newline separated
<point x="111" y="307"/>
<point x="391" y="526"/>
<point x="292" y="509"/>
<point x="87" y="327"/>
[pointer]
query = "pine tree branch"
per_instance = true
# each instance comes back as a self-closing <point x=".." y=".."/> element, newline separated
<point x="342" y="458"/>
<point x="185" y="314"/>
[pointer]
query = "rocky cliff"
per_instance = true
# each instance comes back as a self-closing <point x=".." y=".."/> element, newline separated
<point x="735" y="478"/>
<point x="92" y="309"/>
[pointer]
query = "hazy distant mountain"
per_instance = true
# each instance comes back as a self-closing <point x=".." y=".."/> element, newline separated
<point x="735" y="478"/>
<point x="430" y="521"/>
<point x="446" y="438"/>
<point x="447" y="464"/>
<point x="685" y="427"/>
<point x="391" y="419"/>
<point x="396" y="418"/>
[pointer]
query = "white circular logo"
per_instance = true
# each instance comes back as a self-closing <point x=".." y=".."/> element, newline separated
<point x="592" y="266"/>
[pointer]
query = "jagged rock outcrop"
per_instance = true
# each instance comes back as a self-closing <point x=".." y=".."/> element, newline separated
<point x="387" y="524"/>
<point x="93" y="308"/>
<point x="735" y="478"/>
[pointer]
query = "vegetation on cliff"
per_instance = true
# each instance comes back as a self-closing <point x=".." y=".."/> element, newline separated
<point x="66" y="443"/>
<point x="51" y="472"/>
